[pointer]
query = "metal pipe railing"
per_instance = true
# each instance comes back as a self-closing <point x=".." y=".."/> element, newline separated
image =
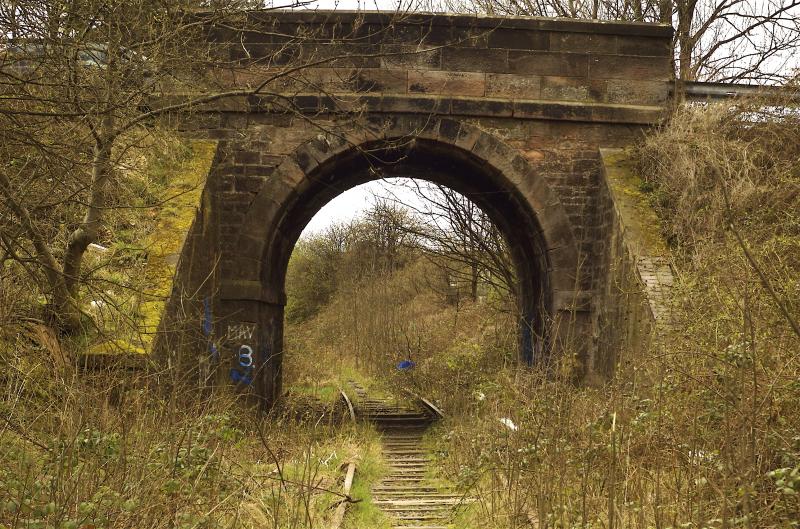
<point x="697" y="91"/>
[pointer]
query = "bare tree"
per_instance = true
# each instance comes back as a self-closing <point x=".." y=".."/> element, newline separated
<point x="84" y="81"/>
<point x="736" y="40"/>
<point x="715" y="40"/>
<point x="316" y="269"/>
<point x="640" y="10"/>
<point x="385" y="235"/>
<point x="458" y="237"/>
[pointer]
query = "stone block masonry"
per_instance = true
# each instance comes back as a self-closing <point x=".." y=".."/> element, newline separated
<point x="511" y="112"/>
<point x="634" y="302"/>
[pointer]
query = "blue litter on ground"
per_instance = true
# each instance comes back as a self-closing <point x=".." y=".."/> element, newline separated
<point x="405" y="364"/>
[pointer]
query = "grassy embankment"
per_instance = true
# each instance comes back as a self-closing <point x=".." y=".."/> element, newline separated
<point x="104" y="449"/>
<point x="702" y="429"/>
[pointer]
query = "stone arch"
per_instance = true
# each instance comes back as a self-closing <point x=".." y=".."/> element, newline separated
<point x="459" y="155"/>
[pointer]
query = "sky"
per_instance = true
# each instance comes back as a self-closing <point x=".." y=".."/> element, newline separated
<point x="345" y="207"/>
<point x="355" y="201"/>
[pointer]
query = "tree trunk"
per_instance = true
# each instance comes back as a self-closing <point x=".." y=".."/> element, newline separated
<point x="665" y="11"/>
<point x="474" y="281"/>
<point x="89" y="229"/>
<point x="686" y="43"/>
<point x="66" y="311"/>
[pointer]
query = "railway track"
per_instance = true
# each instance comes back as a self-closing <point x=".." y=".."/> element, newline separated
<point x="405" y="493"/>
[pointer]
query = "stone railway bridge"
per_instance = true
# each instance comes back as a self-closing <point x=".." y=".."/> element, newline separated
<point x="511" y="112"/>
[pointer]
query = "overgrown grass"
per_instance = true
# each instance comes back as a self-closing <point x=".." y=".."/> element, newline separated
<point x="370" y="468"/>
<point x="701" y="431"/>
<point x="108" y="451"/>
<point x="111" y="448"/>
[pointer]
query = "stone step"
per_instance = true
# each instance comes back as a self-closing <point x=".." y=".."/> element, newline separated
<point x="401" y="493"/>
<point x="410" y="491"/>
<point x="420" y="500"/>
<point x="420" y="527"/>
<point x="421" y="490"/>
<point x="402" y="488"/>
<point x="422" y="497"/>
<point x="397" y="413"/>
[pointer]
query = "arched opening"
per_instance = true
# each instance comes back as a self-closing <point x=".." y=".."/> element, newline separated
<point x="483" y="169"/>
<point x="440" y="164"/>
<point x="398" y="281"/>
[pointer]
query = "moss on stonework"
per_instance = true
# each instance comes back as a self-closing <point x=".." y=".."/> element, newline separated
<point x="642" y="226"/>
<point x="166" y="241"/>
<point x="174" y="214"/>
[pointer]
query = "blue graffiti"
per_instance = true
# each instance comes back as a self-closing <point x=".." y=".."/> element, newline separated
<point x="242" y="378"/>
<point x="528" y="351"/>
<point x="208" y="329"/>
<point x="533" y="345"/>
<point x="207" y="317"/>
<point x="244" y="374"/>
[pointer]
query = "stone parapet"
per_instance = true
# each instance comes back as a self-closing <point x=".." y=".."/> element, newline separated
<point x="539" y="59"/>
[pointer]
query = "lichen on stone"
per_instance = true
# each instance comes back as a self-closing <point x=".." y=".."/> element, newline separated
<point x="177" y="202"/>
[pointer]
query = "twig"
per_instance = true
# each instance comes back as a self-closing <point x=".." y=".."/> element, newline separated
<point x="765" y="280"/>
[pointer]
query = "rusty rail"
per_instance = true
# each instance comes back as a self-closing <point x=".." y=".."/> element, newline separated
<point x="349" y="403"/>
<point x="341" y="508"/>
<point x="427" y="404"/>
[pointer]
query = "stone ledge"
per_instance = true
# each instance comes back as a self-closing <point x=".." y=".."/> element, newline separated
<point x="236" y="290"/>
<point x="640" y="232"/>
<point x="459" y="20"/>
<point x="573" y="300"/>
<point x="640" y="222"/>
<point x="522" y="109"/>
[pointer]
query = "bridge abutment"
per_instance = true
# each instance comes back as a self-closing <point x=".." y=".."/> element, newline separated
<point x="514" y="109"/>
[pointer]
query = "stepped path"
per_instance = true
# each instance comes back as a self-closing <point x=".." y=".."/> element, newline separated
<point x="404" y="493"/>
